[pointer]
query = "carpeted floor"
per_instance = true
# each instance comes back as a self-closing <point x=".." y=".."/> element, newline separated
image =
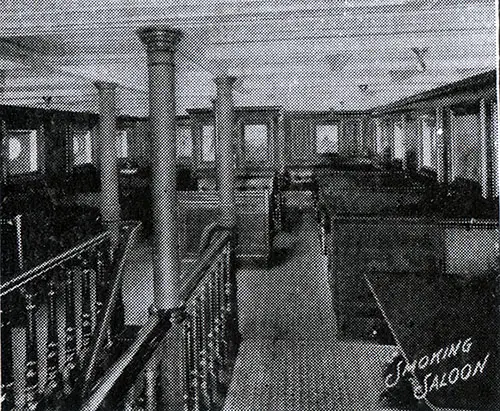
<point x="290" y="358"/>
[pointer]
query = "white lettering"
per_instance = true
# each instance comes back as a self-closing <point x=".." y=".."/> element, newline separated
<point x="455" y="378"/>
<point x="410" y="368"/>
<point x="424" y="363"/>
<point x="480" y="366"/>
<point x="435" y="384"/>
<point x="469" y="370"/>
<point x="396" y="379"/>
<point x="466" y="345"/>
<point x="454" y="349"/>
<point x="418" y="393"/>
<point x="435" y="356"/>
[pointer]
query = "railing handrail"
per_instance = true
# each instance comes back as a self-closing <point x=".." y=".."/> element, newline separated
<point x="150" y="331"/>
<point x="100" y="335"/>
<point x="424" y="220"/>
<point x="220" y="239"/>
<point x="47" y="265"/>
<point x="101" y="389"/>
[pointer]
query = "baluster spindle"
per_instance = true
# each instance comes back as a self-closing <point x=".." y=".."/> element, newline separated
<point x="86" y="315"/>
<point x="221" y="342"/>
<point x="31" y="393"/>
<point x="71" y="355"/>
<point x="216" y="359"/>
<point x="225" y="315"/>
<point x="205" y="330"/>
<point x="100" y="280"/>
<point x="140" y="401"/>
<point x="214" y="346"/>
<point x="197" y="355"/>
<point x="231" y="308"/>
<point x="216" y="314"/>
<point x="220" y="310"/>
<point x="188" y="365"/>
<point x="53" y="383"/>
<point x="130" y="399"/>
<point x="150" y="376"/>
<point x="8" y="399"/>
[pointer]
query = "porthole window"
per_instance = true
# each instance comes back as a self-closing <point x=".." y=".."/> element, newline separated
<point x="22" y="151"/>
<point x="14" y="148"/>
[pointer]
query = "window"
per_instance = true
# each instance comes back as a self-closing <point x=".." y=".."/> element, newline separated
<point x="427" y="144"/>
<point x="379" y="136"/>
<point x="82" y="148"/>
<point x="208" y="143"/>
<point x="327" y="138"/>
<point x="23" y="155"/>
<point x="122" y="144"/>
<point x="465" y="147"/>
<point x="14" y="148"/>
<point x="494" y="137"/>
<point x="184" y="142"/>
<point x="255" y="143"/>
<point x="399" y="144"/>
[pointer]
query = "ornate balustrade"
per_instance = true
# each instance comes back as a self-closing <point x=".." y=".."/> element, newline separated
<point x="50" y="317"/>
<point x="44" y="233"/>
<point x="277" y="203"/>
<point x="181" y="359"/>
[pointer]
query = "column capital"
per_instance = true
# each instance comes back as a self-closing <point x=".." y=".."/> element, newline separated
<point x="105" y="86"/>
<point x="225" y="81"/>
<point x="160" y="38"/>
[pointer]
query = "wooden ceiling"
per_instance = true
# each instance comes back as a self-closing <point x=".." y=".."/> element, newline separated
<point x="301" y="54"/>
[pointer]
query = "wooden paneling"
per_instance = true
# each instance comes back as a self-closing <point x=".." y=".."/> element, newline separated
<point x="243" y="116"/>
<point x="354" y="137"/>
<point x="199" y="209"/>
<point x="298" y="141"/>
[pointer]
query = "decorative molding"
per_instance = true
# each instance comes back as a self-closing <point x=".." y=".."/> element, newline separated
<point x="160" y="38"/>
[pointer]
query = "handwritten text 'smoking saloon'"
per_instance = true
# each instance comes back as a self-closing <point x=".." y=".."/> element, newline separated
<point x="436" y="381"/>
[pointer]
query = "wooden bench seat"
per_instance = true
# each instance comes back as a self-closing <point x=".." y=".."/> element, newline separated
<point x="198" y="209"/>
<point x="357" y="245"/>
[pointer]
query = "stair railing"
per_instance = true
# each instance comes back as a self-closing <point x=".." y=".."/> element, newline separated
<point x="54" y="309"/>
<point x="182" y="359"/>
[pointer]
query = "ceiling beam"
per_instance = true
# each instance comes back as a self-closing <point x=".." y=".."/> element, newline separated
<point x="271" y="50"/>
<point x="52" y="19"/>
<point x="37" y="63"/>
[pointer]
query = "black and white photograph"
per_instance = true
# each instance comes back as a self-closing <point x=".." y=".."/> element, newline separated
<point x="249" y="205"/>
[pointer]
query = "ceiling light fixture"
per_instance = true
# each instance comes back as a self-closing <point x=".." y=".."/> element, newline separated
<point x="47" y="100"/>
<point x="420" y="53"/>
